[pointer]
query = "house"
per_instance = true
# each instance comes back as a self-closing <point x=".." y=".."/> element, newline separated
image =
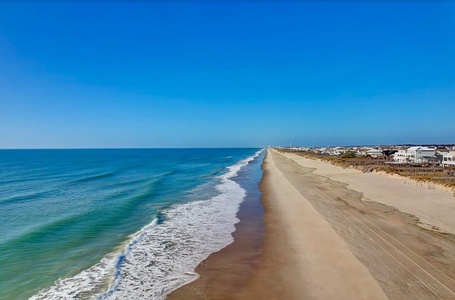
<point x="339" y="150"/>
<point x="442" y="150"/>
<point x="389" y="152"/>
<point x="448" y="159"/>
<point x="416" y="154"/>
<point x="439" y="153"/>
<point x="421" y="154"/>
<point x="375" y="152"/>
<point x="401" y="156"/>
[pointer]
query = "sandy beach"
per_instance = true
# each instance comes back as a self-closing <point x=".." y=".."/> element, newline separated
<point x="334" y="233"/>
<point x="433" y="205"/>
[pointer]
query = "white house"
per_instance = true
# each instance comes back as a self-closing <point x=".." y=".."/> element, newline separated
<point x="401" y="156"/>
<point x="448" y="159"/>
<point x="369" y="151"/>
<point x="421" y="154"/>
<point x="375" y="152"/>
<point x="416" y="154"/>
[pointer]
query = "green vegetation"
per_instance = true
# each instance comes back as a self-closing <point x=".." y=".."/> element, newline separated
<point x="348" y="154"/>
<point x="428" y="174"/>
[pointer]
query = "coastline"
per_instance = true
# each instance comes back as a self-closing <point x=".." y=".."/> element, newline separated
<point x="161" y="256"/>
<point x="325" y="240"/>
<point x="225" y="271"/>
<point x="290" y="265"/>
<point x="303" y="257"/>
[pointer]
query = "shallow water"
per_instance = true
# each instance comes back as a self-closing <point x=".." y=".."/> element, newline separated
<point x="92" y="216"/>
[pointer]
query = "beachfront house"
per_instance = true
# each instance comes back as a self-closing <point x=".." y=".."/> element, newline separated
<point x="442" y="150"/>
<point x="339" y="150"/>
<point x="401" y="156"/>
<point x="448" y="159"/>
<point x="422" y="154"/>
<point x="416" y="154"/>
<point x="375" y="152"/>
<point x="369" y="151"/>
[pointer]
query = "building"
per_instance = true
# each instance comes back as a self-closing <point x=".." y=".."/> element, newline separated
<point x="421" y="154"/>
<point x="448" y="159"/>
<point x="416" y="154"/>
<point x="375" y="152"/>
<point x="402" y="156"/>
<point x="339" y="150"/>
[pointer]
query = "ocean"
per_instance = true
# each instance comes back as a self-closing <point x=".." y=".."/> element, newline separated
<point x="115" y="223"/>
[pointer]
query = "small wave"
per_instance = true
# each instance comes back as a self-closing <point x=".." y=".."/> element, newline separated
<point x="148" y="190"/>
<point x="94" y="177"/>
<point x="26" y="197"/>
<point x="129" y="183"/>
<point x="37" y="231"/>
<point x="138" y="182"/>
<point x="233" y="170"/>
<point x="213" y="173"/>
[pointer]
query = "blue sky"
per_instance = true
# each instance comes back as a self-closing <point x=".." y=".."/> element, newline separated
<point x="226" y="74"/>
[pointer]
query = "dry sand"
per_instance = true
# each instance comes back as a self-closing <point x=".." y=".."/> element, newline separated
<point x="304" y="258"/>
<point x="330" y="233"/>
<point x="435" y="208"/>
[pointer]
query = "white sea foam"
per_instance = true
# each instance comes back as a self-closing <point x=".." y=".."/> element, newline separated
<point x="92" y="282"/>
<point x="162" y="257"/>
<point x="83" y="285"/>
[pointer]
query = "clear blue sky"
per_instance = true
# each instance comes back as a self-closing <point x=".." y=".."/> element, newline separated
<point x="221" y="74"/>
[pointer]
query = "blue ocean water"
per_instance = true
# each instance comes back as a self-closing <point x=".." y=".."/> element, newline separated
<point x="97" y="224"/>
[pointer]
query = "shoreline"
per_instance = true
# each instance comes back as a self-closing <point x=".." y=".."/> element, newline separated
<point x="325" y="240"/>
<point x="158" y="257"/>
<point x="276" y="271"/>
<point x="226" y="270"/>
<point x="303" y="257"/>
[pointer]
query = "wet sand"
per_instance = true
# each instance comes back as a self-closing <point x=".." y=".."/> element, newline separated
<point x="325" y="240"/>
<point x="303" y="256"/>
<point x="225" y="272"/>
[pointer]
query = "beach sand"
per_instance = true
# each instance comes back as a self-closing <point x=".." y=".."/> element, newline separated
<point x="435" y="207"/>
<point x="334" y="233"/>
<point x="227" y="270"/>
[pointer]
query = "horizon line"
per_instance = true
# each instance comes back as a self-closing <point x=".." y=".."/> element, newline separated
<point x="127" y="148"/>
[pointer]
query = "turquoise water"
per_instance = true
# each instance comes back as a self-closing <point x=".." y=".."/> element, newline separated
<point x="66" y="211"/>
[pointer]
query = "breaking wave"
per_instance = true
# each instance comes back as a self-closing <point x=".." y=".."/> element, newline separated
<point x="162" y="256"/>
